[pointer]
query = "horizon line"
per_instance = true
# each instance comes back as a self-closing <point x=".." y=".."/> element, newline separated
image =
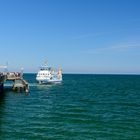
<point x="92" y="73"/>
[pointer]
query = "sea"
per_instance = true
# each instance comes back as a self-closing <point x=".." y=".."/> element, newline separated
<point x="82" y="107"/>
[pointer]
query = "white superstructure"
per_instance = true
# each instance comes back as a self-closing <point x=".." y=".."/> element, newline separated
<point x="48" y="75"/>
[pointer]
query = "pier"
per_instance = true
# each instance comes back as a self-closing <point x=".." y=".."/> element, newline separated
<point x="1" y="82"/>
<point x="19" y="84"/>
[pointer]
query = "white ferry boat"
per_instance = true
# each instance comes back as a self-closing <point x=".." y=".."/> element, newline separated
<point x="48" y="75"/>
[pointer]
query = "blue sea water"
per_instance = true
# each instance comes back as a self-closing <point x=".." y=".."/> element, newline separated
<point x="82" y="107"/>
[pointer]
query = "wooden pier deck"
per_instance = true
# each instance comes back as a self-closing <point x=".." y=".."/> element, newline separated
<point x="19" y="84"/>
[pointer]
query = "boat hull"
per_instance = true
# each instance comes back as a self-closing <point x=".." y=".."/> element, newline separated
<point x="48" y="81"/>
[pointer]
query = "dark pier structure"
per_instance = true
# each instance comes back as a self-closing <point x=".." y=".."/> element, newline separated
<point x="19" y="84"/>
<point x="1" y="82"/>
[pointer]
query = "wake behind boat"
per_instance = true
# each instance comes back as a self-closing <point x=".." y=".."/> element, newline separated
<point x="48" y="75"/>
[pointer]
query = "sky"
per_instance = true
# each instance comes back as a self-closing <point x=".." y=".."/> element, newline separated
<point x="80" y="36"/>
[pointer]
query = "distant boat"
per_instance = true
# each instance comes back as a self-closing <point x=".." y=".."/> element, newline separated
<point x="48" y="75"/>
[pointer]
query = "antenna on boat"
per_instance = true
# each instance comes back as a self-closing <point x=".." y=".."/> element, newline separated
<point x="46" y="63"/>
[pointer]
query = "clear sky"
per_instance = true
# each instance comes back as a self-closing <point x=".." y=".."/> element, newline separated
<point x="81" y="36"/>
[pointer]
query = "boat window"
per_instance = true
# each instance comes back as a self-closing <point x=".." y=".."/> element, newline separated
<point x="45" y="68"/>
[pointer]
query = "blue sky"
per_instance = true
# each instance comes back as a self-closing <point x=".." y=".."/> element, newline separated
<point x="81" y="36"/>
